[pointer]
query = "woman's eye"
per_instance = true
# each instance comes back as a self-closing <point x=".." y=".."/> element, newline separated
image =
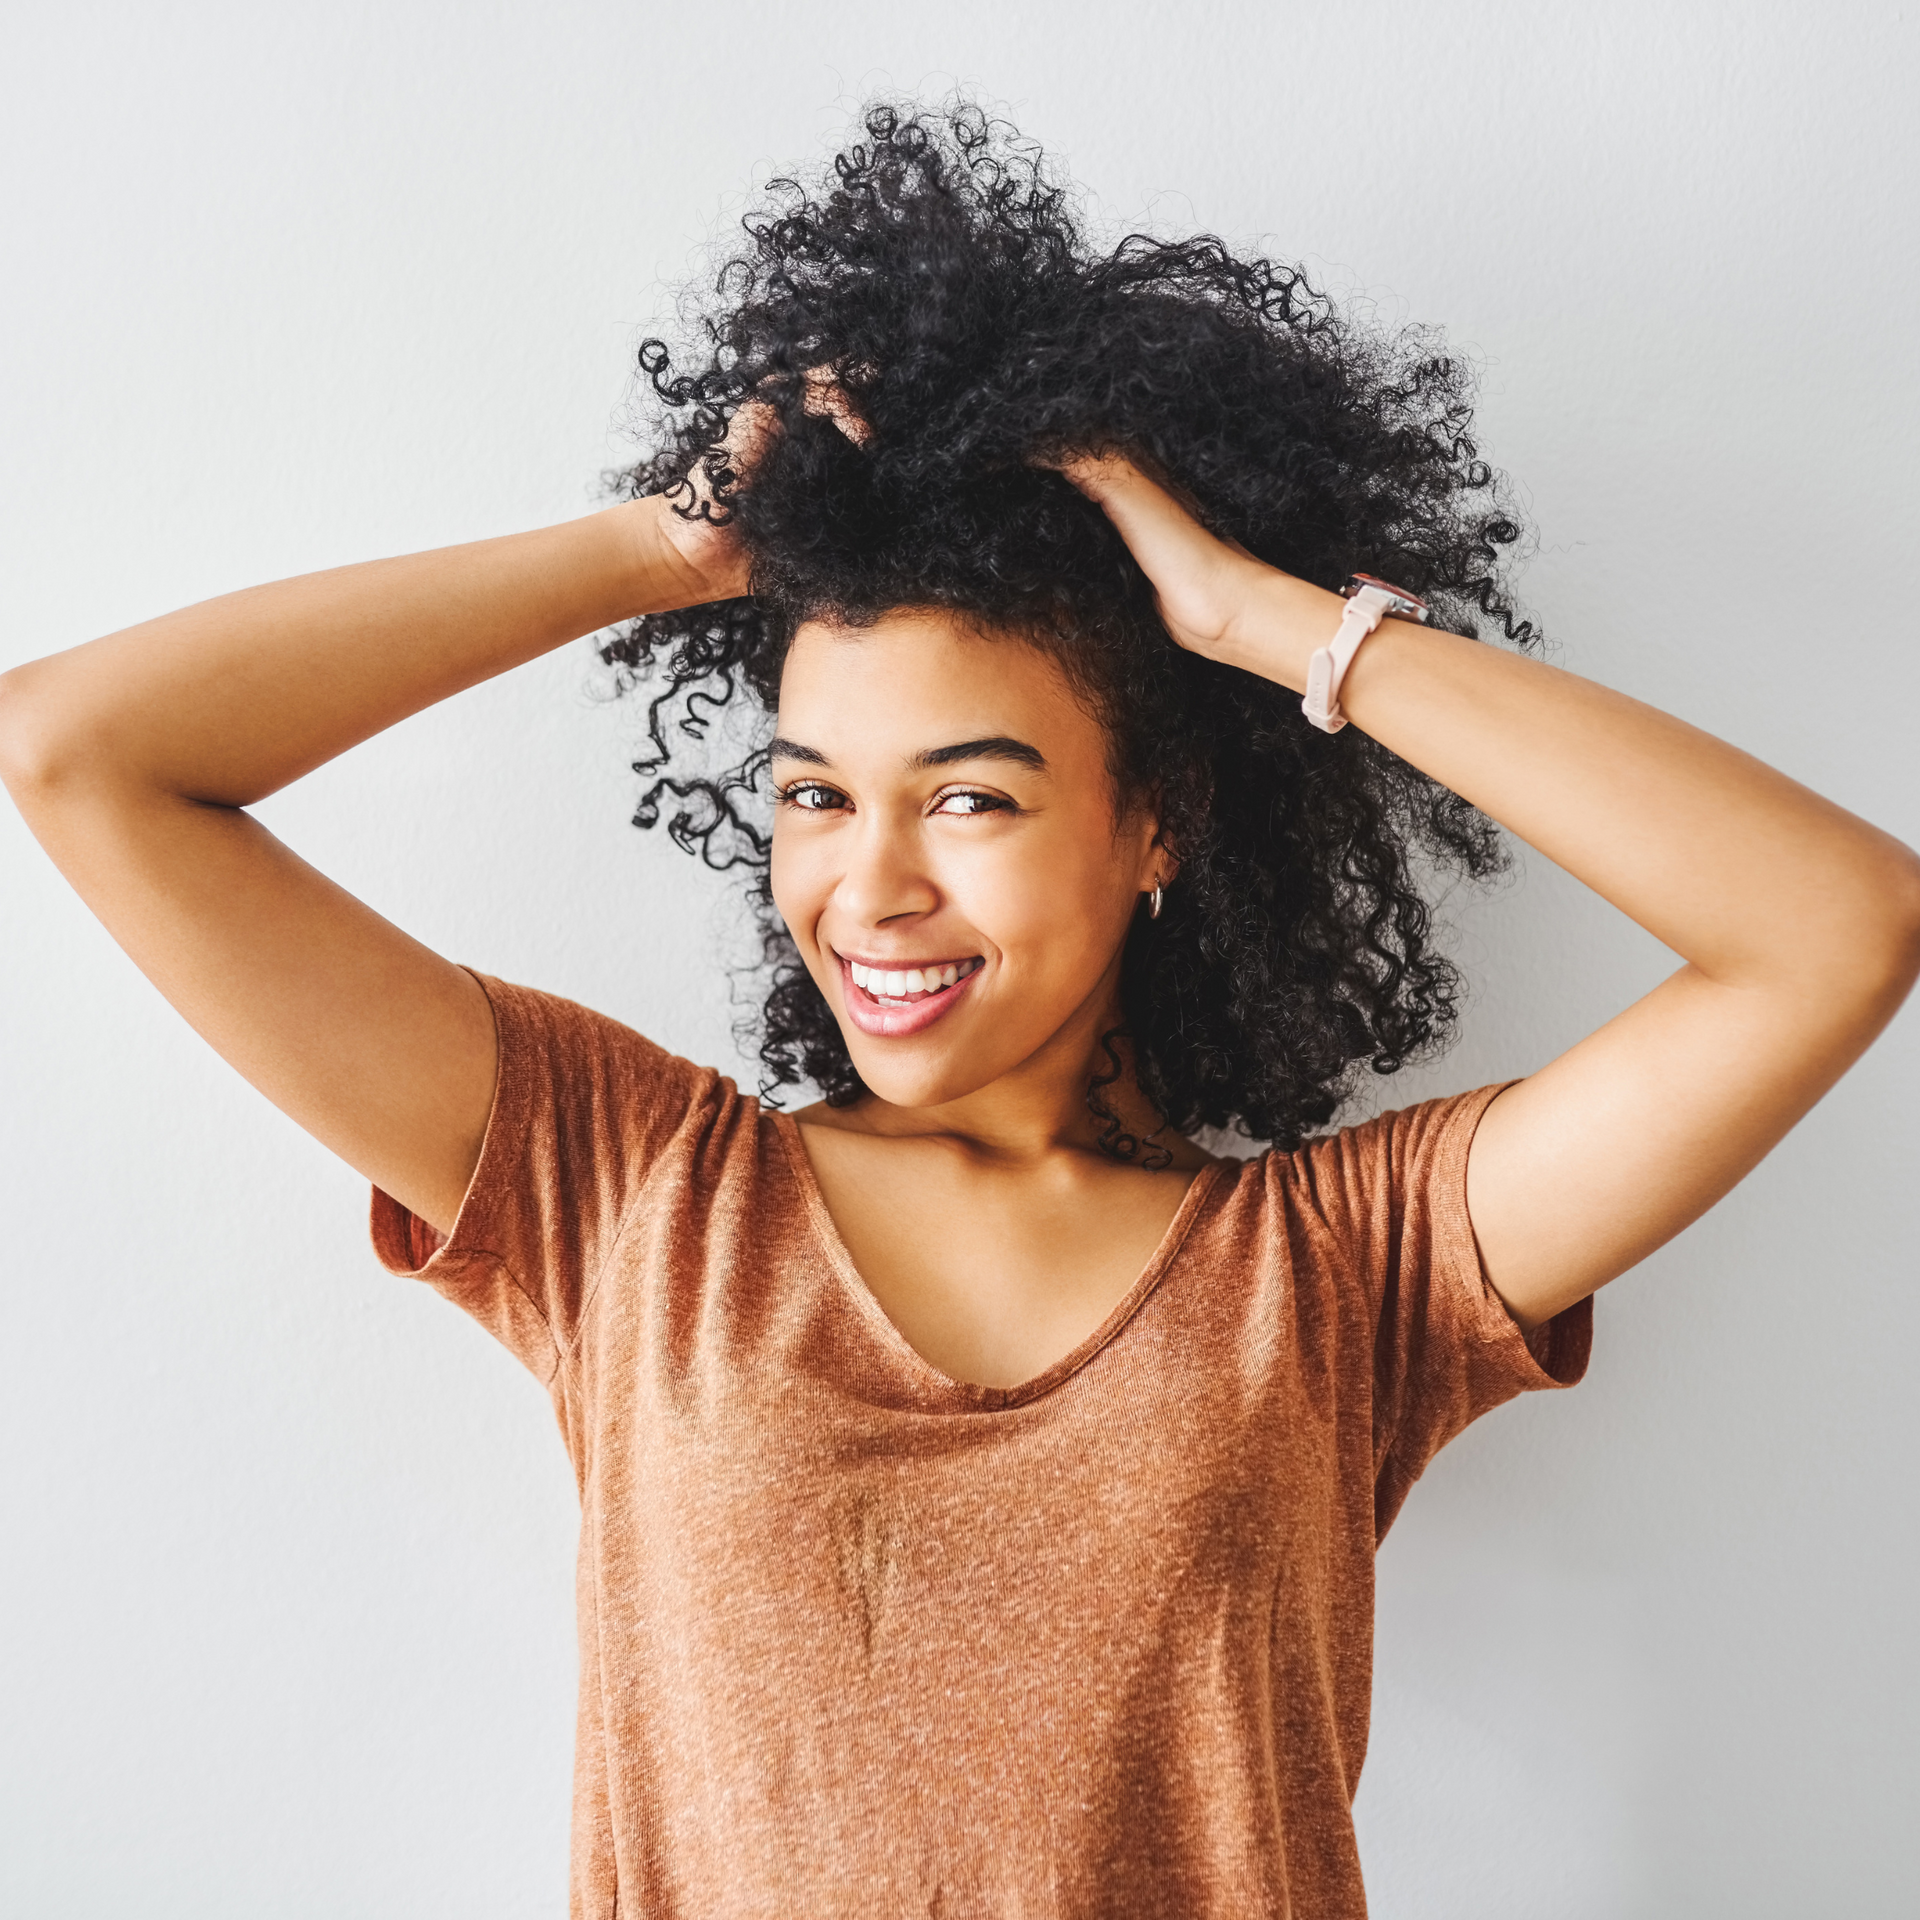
<point x="970" y="803"/>
<point x="812" y="798"/>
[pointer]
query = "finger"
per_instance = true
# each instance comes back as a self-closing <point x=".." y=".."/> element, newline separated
<point x="737" y="453"/>
<point x="747" y="433"/>
<point x="1090" y="472"/>
<point x="1123" y="487"/>
<point x="825" y="397"/>
<point x="1132" y="499"/>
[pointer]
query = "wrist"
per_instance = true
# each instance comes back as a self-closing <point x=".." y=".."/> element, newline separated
<point x="1280" y="624"/>
<point x="657" y="575"/>
<point x="671" y="561"/>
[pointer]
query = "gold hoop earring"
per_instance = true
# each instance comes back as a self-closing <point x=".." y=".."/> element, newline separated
<point x="1153" y="905"/>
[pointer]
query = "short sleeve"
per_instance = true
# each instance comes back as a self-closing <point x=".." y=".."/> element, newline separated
<point x="1392" y="1193"/>
<point x="581" y="1109"/>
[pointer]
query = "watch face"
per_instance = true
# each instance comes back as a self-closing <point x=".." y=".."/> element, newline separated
<point x="1408" y="605"/>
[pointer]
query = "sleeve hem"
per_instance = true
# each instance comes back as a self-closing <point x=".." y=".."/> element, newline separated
<point x="411" y="1249"/>
<point x="1556" y="1353"/>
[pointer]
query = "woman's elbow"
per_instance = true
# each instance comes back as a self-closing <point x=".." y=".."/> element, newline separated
<point x="1904" y="916"/>
<point x="49" y="751"/>
<point x="1877" y="948"/>
<point x="29" y="757"/>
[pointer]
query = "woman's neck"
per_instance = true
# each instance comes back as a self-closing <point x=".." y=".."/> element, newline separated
<point x="1037" y="1109"/>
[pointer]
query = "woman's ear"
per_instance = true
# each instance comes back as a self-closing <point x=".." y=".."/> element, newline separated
<point x="1162" y="865"/>
<point x="1166" y="864"/>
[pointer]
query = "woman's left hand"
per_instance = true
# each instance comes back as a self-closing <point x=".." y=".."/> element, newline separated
<point x="1214" y="597"/>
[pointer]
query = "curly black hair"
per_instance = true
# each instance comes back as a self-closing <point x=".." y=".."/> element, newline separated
<point x="941" y="270"/>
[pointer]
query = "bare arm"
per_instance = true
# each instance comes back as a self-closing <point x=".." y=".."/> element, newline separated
<point x="133" y="757"/>
<point x="1799" y="923"/>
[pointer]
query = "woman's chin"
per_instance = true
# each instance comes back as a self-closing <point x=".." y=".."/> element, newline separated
<point x="901" y="1085"/>
<point x="905" y="1075"/>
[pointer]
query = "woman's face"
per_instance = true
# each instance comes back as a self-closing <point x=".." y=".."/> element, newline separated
<point x="946" y="851"/>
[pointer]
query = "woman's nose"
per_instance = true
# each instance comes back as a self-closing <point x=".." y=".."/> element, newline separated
<point x="885" y="877"/>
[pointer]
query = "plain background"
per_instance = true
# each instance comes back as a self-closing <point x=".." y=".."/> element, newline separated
<point x="285" y="1544"/>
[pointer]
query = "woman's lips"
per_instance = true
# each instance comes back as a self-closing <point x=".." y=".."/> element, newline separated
<point x="883" y="1018"/>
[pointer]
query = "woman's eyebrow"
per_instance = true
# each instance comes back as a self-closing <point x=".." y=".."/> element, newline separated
<point x="998" y="746"/>
<point x="778" y="749"/>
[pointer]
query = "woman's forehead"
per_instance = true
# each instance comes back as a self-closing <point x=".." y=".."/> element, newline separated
<point x="926" y="672"/>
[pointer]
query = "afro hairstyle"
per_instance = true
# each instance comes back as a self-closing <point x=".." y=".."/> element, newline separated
<point x="940" y="268"/>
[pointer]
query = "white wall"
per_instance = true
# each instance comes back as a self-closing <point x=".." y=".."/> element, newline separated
<point x="285" y="1551"/>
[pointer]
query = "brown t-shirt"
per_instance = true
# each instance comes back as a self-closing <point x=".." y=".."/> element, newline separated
<point x="857" y="1639"/>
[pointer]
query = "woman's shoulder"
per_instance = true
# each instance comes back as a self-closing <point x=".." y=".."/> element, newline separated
<point x="564" y="1064"/>
<point x="1387" y="1154"/>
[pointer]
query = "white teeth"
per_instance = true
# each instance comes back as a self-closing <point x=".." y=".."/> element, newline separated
<point x="898" y="985"/>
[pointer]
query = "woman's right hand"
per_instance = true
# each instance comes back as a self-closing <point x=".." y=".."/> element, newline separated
<point x="699" y="542"/>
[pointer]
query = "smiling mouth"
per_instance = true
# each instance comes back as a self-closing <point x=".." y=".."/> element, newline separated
<point x="910" y="986"/>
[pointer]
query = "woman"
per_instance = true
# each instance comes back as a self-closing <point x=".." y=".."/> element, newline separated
<point x="981" y="1479"/>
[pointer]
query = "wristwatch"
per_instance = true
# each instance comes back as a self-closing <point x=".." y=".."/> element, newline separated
<point x="1369" y="601"/>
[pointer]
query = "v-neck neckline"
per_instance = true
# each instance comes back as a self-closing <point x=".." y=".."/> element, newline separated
<point x="971" y="1396"/>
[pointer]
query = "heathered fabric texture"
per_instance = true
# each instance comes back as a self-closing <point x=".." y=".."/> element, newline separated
<point x="859" y="1640"/>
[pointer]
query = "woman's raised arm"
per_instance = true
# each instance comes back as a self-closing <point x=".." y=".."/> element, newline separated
<point x="133" y="757"/>
<point x="1799" y="923"/>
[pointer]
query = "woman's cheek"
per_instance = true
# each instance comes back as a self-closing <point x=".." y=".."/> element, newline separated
<point x="799" y="889"/>
<point x="1047" y="910"/>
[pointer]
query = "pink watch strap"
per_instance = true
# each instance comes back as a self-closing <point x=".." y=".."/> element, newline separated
<point x="1329" y="664"/>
